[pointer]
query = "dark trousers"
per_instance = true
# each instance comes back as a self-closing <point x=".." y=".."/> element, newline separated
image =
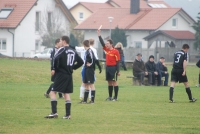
<point x="160" y="75"/>
<point x="140" y="77"/>
<point x="123" y="63"/>
<point x="149" y="76"/>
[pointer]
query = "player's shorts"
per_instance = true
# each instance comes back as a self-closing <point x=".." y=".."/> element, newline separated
<point x="63" y="83"/>
<point x="176" y="76"/>
<point x="111" y="73"/>
<point x="89" y="76"/>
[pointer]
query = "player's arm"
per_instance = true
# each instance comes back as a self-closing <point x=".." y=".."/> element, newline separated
<point x="79" y="62"/>
<point x="56" y="58"/>
<point x="184" y="67"/>
<point x="100" y="38"/>
<point x="98" y="65"/>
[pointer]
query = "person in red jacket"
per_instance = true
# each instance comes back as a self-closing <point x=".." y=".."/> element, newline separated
<point x="112" y="66"/>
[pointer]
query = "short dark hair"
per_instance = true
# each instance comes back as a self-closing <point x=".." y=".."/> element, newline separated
<point x="185" y="46"/>
<point x="57" y="41"/>
<point x="86" y="43"/>
<point x="66" y="39"/>
<point x="91" y="41"/>
<point x="162" y="58"/>
<point x="110" y="41"/>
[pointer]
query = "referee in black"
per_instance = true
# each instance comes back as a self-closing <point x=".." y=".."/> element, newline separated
<point x="65" y="61"/>
<point x="178" y="73"/>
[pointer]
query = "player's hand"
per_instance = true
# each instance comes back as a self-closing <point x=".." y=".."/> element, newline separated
<point x="52" y="72"/>
<point x="99" y="32"/>
<point x="183" y="74"/>
<point x="88" y="64"/>
<point x="118" y="74"/>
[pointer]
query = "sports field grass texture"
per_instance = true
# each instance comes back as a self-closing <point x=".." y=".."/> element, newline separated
<point x="139" y="110"/>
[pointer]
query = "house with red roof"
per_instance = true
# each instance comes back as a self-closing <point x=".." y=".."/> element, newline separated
<point x="148" y="24"/>
<point x="20" y="22"/>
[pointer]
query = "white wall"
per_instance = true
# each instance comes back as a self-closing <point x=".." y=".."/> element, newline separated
<point x="182" y="24"/>
<point x="4" y="34"/>
<point x="25" y="35"/>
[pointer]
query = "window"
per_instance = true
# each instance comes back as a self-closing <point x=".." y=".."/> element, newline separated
<point x="37" y="21"/>
<point x="37" y="45"/>
<point x="5" y="12"/>
<point x="49" y="20"/>
<point x="80" y="15"/>
<point x="3" y="44"/>
<point x="138" y="44"/>
<point x="174" y="22"/>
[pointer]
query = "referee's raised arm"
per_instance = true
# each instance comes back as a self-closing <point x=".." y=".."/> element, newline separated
<point x="100" y="38"/>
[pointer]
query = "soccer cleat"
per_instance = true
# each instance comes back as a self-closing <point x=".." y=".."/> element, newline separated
<point x="171" y="101"/>
<point x="109" y="99"/>
<point x="66" y="117"/>
<point x="81" y="98"/>
<point x="193" y="100"/>
<point x="46" y="95"/>
<point x="82" y="102"/>
<point x="91" y="102"/>
<point x="50" y="116"/>
<point x="114" y="99"/>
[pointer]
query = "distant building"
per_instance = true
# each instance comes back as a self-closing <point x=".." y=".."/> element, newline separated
<point x="20" y="23"/>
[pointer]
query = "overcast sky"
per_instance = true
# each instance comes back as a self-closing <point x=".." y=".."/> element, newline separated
<point x="71" y="3"/>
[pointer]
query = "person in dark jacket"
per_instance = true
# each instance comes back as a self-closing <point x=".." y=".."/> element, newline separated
<point x="151" y="68"/>
<point x="139" y="69"/>
<point x="119" y="47"/>
<point x="162" y="71"/>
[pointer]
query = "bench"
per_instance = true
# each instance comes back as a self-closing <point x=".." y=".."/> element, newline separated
<point x="136" y="81"/>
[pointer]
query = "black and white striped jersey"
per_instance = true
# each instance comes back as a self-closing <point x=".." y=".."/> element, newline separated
<point x="66" y="60"/>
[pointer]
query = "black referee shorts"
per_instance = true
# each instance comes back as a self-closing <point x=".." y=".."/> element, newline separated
<point x="89" y="76"/>
<point x="111" y="73"/>
<point x="176" y="76"/>
<point x="63" y="83"/>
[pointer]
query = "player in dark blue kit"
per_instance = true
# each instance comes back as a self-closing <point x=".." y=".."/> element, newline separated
<point x="65" y="61"/>
<point x="178" y="73"/>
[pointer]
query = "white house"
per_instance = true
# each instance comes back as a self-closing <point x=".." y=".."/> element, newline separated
<point x="20" y="24"/>
<point x="140" y="20"/>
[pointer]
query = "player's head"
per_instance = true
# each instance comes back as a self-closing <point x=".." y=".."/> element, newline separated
<point x="162" y="59"/>
<point x="151" y="58"/>
<point x="91" y="42"/>
<point x="86" y="44"/>
<point x="185" y="47"/>
<point x="58" y="43"/>
<point x="65" y="40"/>
<point x="119" y="45"/>
<point x="109" y="44"/>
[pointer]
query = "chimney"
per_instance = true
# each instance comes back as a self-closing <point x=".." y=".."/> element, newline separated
<point x="135" y="6"/>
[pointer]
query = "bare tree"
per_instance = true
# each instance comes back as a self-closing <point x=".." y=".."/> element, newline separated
<point x="52" y="26"/>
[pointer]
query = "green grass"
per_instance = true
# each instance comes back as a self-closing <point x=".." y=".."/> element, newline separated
<point x="140" y="110"/>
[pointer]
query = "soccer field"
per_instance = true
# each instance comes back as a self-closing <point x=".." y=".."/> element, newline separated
<point x="139" y="110"/>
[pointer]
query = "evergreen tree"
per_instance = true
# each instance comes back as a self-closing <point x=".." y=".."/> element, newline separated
<point x="196" y="27"/>
<point x="73" y="40"/>
<point x="118" y="35"/>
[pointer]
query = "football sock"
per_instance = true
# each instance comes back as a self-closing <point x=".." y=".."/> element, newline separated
<point x="54" y="106"/>
<point x="188" y="91"/>
<point x="92" y="95"/>
<point x="82" y="90"/>
<point x="171" y="92"/>
<point x="86" y="95"/>
<point x="116" y="89"/>
<point x="68" y="107"/>
<point x="110" y="90"/>
<point x="49" y="89"/>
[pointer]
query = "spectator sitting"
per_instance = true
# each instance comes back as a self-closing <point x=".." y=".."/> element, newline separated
<point x="151" y="68"/>
<point x="139" y="69"/>
<point x="162" y="71"/>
